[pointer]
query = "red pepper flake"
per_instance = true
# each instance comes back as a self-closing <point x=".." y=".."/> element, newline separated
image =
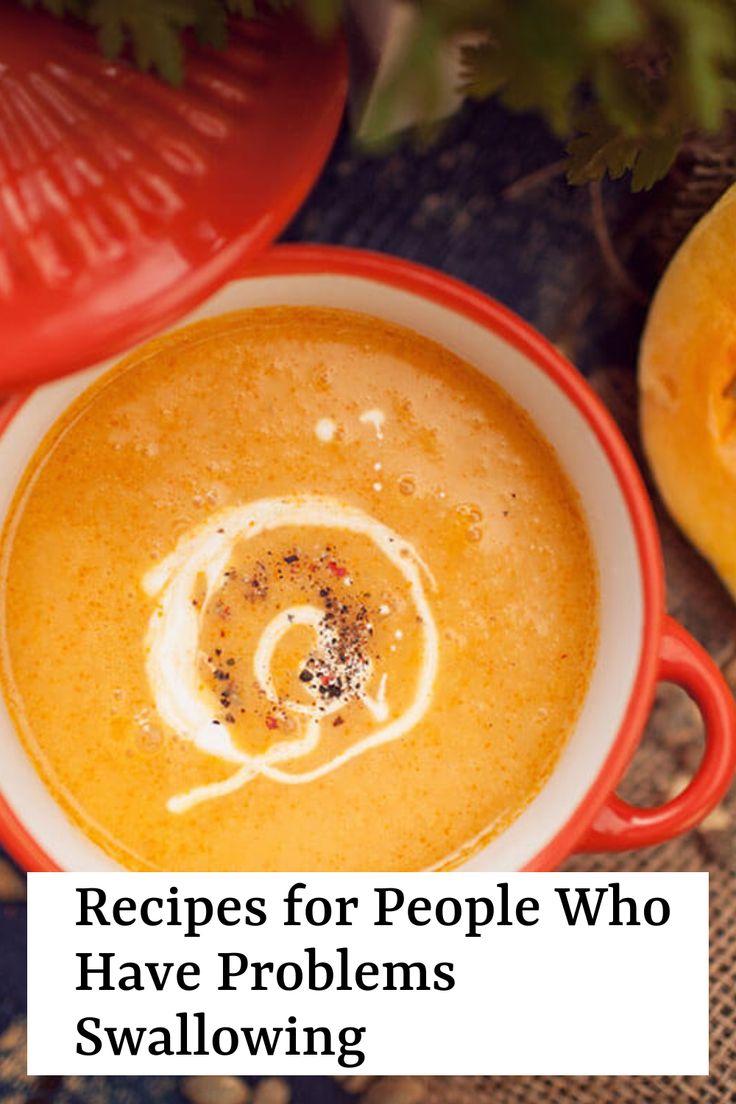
<point x="337" y="570"/>
<point x="271" y="722"/>
<point x="326" y="680"/>
<point x="337" y="722"/>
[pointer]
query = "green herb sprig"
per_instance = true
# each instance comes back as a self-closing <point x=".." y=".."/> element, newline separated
<point x="624" y="81"/>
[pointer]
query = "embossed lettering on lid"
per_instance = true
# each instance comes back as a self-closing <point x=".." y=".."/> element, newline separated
<point x="124" y="201"/>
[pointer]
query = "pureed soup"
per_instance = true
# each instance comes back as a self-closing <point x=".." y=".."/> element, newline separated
<point x="295" y="589"/>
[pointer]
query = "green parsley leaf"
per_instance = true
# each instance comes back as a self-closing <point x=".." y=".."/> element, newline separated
<point x="649" y="71"/>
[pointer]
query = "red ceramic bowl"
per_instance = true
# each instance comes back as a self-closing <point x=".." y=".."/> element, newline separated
<point x="578" y="809"/>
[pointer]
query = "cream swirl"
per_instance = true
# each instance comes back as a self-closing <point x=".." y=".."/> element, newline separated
<point x="174" y="631"/>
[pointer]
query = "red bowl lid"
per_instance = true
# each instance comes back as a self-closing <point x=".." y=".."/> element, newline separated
<point x="124" y="201"/>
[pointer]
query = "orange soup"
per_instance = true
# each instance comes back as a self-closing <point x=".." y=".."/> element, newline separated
<point x="295" y="589"/>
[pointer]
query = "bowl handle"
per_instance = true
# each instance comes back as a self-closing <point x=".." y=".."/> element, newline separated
<point x="619" y="826"/>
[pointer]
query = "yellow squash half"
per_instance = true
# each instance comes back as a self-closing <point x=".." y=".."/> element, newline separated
<point x="687" y="376"/>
